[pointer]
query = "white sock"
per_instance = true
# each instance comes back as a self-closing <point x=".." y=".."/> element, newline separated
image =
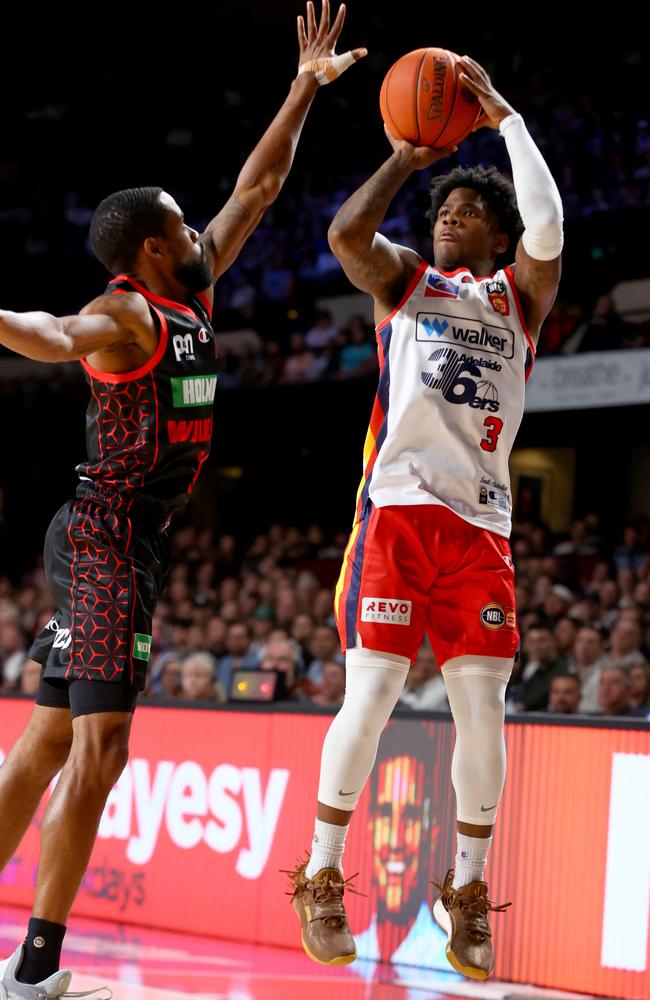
<point x="327" y="847"/>
<point x="471" y="859"/>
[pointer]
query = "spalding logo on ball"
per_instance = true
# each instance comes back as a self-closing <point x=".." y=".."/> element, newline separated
<point x="423" y="101"/>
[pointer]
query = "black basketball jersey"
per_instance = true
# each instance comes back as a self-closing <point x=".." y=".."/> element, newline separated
<point x="148" y="431"/>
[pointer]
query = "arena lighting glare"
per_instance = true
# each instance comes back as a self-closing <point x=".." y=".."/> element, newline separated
<point x="253" y="685"/>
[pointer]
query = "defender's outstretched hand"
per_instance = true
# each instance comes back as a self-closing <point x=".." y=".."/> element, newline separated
<point x="495" y="107"/>
<point x="317" y="44"/>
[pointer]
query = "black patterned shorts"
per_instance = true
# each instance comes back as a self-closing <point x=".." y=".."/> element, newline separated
<point x="106" y="570"/>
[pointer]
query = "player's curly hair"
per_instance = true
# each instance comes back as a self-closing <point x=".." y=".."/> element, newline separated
<point x="498" y="192"/>
<point x="121" y="224"/>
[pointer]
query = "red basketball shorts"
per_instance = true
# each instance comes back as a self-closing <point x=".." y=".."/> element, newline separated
<point x="415" y="569"/>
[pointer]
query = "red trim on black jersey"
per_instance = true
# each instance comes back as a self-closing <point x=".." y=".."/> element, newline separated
<point x="134" y="592"/>
<point x="201" y="459"/>
<point x="520" y="312"/>
<point x="73" y="581"/>
<point x="205" y="302"/>
<point x="145" y="368"/>
<point x="410" y="288"/>
<point x="157" y="427"/>
<point x="151" y="297"/>
<point x="99" y="428"/>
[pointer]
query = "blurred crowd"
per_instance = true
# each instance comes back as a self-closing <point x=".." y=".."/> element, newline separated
<point x="583" y="609"/>
<point x="596" y="141"/>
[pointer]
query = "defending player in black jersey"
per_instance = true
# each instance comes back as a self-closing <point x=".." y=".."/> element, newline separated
<point x="147" y="349"/>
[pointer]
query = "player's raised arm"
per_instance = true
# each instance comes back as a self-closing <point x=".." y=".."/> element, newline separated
<point x="538" y="258"/>
<point x="371" y="262"/>
<point x="267" y="167"/>
<point x="105" y="323"/>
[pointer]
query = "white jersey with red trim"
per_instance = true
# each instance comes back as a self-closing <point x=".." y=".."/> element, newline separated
<point x="454" y="358"/>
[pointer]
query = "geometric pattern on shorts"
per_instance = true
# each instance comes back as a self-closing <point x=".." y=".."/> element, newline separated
<point x="101" y="606"/>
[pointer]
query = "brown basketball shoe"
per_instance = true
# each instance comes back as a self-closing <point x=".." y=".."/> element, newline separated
<point x="318" y="901"/>
<point x="463" y="914"/>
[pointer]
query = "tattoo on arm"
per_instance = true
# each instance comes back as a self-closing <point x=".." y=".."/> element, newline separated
<point x="361" y="215"/>
<point x="369" y="259"/>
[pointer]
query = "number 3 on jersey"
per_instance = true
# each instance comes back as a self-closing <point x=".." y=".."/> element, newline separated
<point x="494" y="427"/>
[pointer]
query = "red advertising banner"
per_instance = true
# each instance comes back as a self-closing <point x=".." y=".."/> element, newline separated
<point x="214" y="803"/>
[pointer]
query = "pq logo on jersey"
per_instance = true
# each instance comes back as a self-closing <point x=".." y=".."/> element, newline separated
<point x="386" y="611"/>
<point x="495" y="617"/>
<point x="183" y="347"/>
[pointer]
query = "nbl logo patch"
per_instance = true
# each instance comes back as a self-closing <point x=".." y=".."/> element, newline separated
<point x="494" y="617"/>
<point x="496" y="293"/>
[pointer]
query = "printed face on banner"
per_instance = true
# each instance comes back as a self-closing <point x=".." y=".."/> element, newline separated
<point x="397" y="831"/>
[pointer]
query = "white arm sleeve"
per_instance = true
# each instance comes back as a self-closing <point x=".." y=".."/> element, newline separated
<point x="538" y="198"/>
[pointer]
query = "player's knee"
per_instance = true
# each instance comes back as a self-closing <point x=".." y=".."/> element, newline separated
<point x="44" y="748"/>
<point x="371" y="703"/>
<point x="117" y="756"/>
<point x="58" y="751"/>
<point x="100" y="756"/>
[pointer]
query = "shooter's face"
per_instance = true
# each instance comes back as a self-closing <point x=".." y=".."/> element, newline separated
<point x="397" y="830"/>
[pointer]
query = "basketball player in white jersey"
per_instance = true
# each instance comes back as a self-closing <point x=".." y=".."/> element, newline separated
<point x="429" y="548"/>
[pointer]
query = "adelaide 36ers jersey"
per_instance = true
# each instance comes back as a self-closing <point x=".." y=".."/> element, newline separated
<point x="148" y="431"/>
<point x="454" y="357"/>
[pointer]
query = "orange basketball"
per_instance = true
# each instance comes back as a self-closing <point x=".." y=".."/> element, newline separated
<point x="423" y="101"/>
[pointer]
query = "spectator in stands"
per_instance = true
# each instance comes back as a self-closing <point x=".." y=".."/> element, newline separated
<point x="358" y="357"/>
<point x="12" y="652"/>
<point x="639" y="675"/>
<point x="300" y="362"/>
<point x="564" y="633"/>
<point x="239" y="655"/>
<point x="323" y="609"/>
<point x="164" y="682"/>
<point x="625" y="645"/>
<point x="609" y="606"/>
<point x="578" y="542"/>
<point x="169" y="679"/>
<point x="556" y="603"/>
<point x="424" y="688"/>
<point x="278" y="280"/>
<point x="324" y="331"/>
<point x="30" y="677"/>
<point x="262" y="621"/>
<point x="630" y="554"/>
<point x="284" y="656"/>
<point x="615" y="693"/>
<point x="589" y="660"/>
<point x="531" y="693"/>
<point x="605" y="330"/>
<point x="324" y="646"/>
<point x="215" y="636"/>
<point x="302" y="630"/>
<point x="565" y="694"/>
<point x="244" y="295"/>
<point x="198" y="679"/>
<point x="332" y="686"/>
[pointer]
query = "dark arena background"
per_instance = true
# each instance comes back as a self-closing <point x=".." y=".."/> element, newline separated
<point x="184" y="894"/>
